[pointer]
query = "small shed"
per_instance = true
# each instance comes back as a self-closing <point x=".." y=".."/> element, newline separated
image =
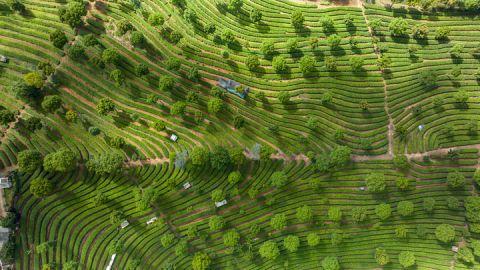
<point x="173" y="137"/>
<point x="421" y="127"/>
<point x="124" y="224"/>
<point x="5" y="182"/>
<point x="187" y="185"/>
<point x="455" y="249"/>
<point x="153" y="219"/>
<point x="3" y="59"/>
<point x="222" y="203"/>
<point x="110" y="264"/>
<point x="4" y="235"/>
<point x="361" y="188"/>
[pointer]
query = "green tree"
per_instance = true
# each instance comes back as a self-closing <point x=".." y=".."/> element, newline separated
<point x="376" y="182"/>
<point x="278" y="222"/>
<point x="34" y="79"/>
<point x="268" y="47"/>
<point x="111" y="56"/>
<point x="156" y="19"/>
<point x="29" y="161"/>
<point x="220" y="158"/>
<point x="137" y="39"/>
<point x="237" y="156"/>
<point x="334" y="41"/>
<point x="291" y="243"/>
<point x="330" y="63"/>
<point x="455" y="180"/>
<point x="356" y="62"/>
<point x="51" y="103"/>
<point x="217" y="195"/>
<point x="166" y="83"/>
<point x="105" y="106"/>
<point x="335" y="214"/>
<point x="330" y="263"/>
<point x="62" y="160"/>
<point x="234" y="177"/>
<point x="181" y="248"/>
<point x="106" y="163"/>
<point x="465" y="254"/>
<point x="441" y="33"/>
<point x="252" y="62"/>
<point x="401" y="232"/>
<point x="297" y="19"/>
<point x="167" y="239"/>
<point x="99" y="199"/>
<point x="269" y="250"/>
<point x="429" y="204"/>
<point x="178" y="108"/>
<point x="398" y="27"/>
<point x="383" y="211"/>
<point x="6" y="117"/>
<point x="90" y="40"/>
<point x="407" y="259"/>
<point x="216" y="223"/>
<point x="231" y="238"/>
<point x="307" y="64"/>
<point x="279" y="64"/>
<point x="304" y="214"/>
<point x="215" y="105"/>
<point x="401" y="162"/>
<point x="313" y="239"/>
<point x="70" y="265"/>
<point x="201" y="261"/>
<point x="199" y="156"/>
<point x="284" y="97"/>
<point x="359" y="214"/>
<point x="327" y="23"/>
<point x="445" y="233"/>
<point x="76" y="52"/>
<point x="402" y="183"/>
<point x="141" y="70"/>
<point x="381" y="256"/>
<point x="405" y="208"/>
<point x="278" y="179"/>
<point x="255" y="15"/>
<point x="72" y="14"/>
<point x="41" y="187"/>
<point x="420" y="31"/>
<point x="58" y="38"/>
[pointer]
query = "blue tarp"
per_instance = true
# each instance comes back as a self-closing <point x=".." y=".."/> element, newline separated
<point x="231" y="85"/>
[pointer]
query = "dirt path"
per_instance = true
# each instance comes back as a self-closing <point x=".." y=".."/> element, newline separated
<point x="3" y="210"/>
<point x="333" y="3"/>
<point x="391" y="127"/>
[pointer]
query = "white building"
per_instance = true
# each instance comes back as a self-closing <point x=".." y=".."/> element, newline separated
<point x="124" y="224"/>
<point x="173" y="138"/>
<point x="187" y="185"/>
<point x="110" y="264"/>
<point x="222" y="203"/>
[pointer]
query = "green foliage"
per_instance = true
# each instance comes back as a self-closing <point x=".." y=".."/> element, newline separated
<point x="381" y="256"/>
<point x="465" y="255"/>
<point x="304" y="214"/>
<point x="420" y="31"/>
<point x="401" y="162"/>
<point x="405" y="208"/>
<point x="220" y="158"/>
<point x="99" y="199"/>
<point x="252" y="62"/>
<point x="76" y="52"/>
<point x="279" y="64"/>
<point x="105" y="106"/>
<point x="269" y="250"/>
<point x="116" y="246"/>
<point x="330" y="263"/>
<point x="144" y="197"/>
<point x="6" y="117"/>
<point x="398" y="27"/>
<point x="199" y="156"/>
<point x="401" y="232"/>
<point x="58" y="38"/>
<point x="334" y="41"/>
<point x="284" y="97"/>
<point x="216" y="223"/>
<point x="330" y="63"/>
<point x="376" y="182"/>
<point x="215" y="105"/>
<point x="72" y="14"/>
<point x="441" y="33"/>
<point x="231" y="238"/>
<point x="278" y="179"/>
<point x="307" y="64"/>
<point x="106" y="163"/>
<point x="62" y="160"/>
<point x="313" y="239"/>
<point x="201" y="261"/>
<point x="137" y="39"/>
<point x="407" y="259"/>
<point x="34" y="79"/>
<point x="455" y="180"/>
<point x="297" y="19"/>
<point x="445" y="233"/>
<point x="255" y="15"/>
<point x="268" y="47"/>
<point x="29" y="161"/>
<point x="429" y="204"/>
<point x="178" y="108"/>
<point x="141" y="70"/>
<point x="217" y="195"/>
<point x="335" y="214"/>
<point x="156" y="19"/>
<point x="278" y="222"/>
<point x="234" y="177"/>
<point x="111" y="56"/>
<point x="359" y="214"/>
<point x="167" y="239"/>
<point x="291" y="243"/>
<point x="383" y="211"/>
<point x="51" y="103"/>
<point x="327" y="23"/>
<point x="402" y="183"/>
<point x="117" y="76"/>
<point x="356" y="62"/>
<point x="41" y="187"/>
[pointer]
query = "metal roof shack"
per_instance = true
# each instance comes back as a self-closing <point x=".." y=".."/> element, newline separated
<point x="233" y="87"/>
<point x="3" y="59"/>
<point x="5" y="182"/>
<point x="222" y="203"/>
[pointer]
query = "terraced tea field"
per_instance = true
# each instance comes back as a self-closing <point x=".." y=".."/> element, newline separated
<point x="355" y="146"/>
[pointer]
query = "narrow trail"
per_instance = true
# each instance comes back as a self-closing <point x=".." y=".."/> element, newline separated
<point x="11" y="125"/>
<point x="391" y="126"/>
